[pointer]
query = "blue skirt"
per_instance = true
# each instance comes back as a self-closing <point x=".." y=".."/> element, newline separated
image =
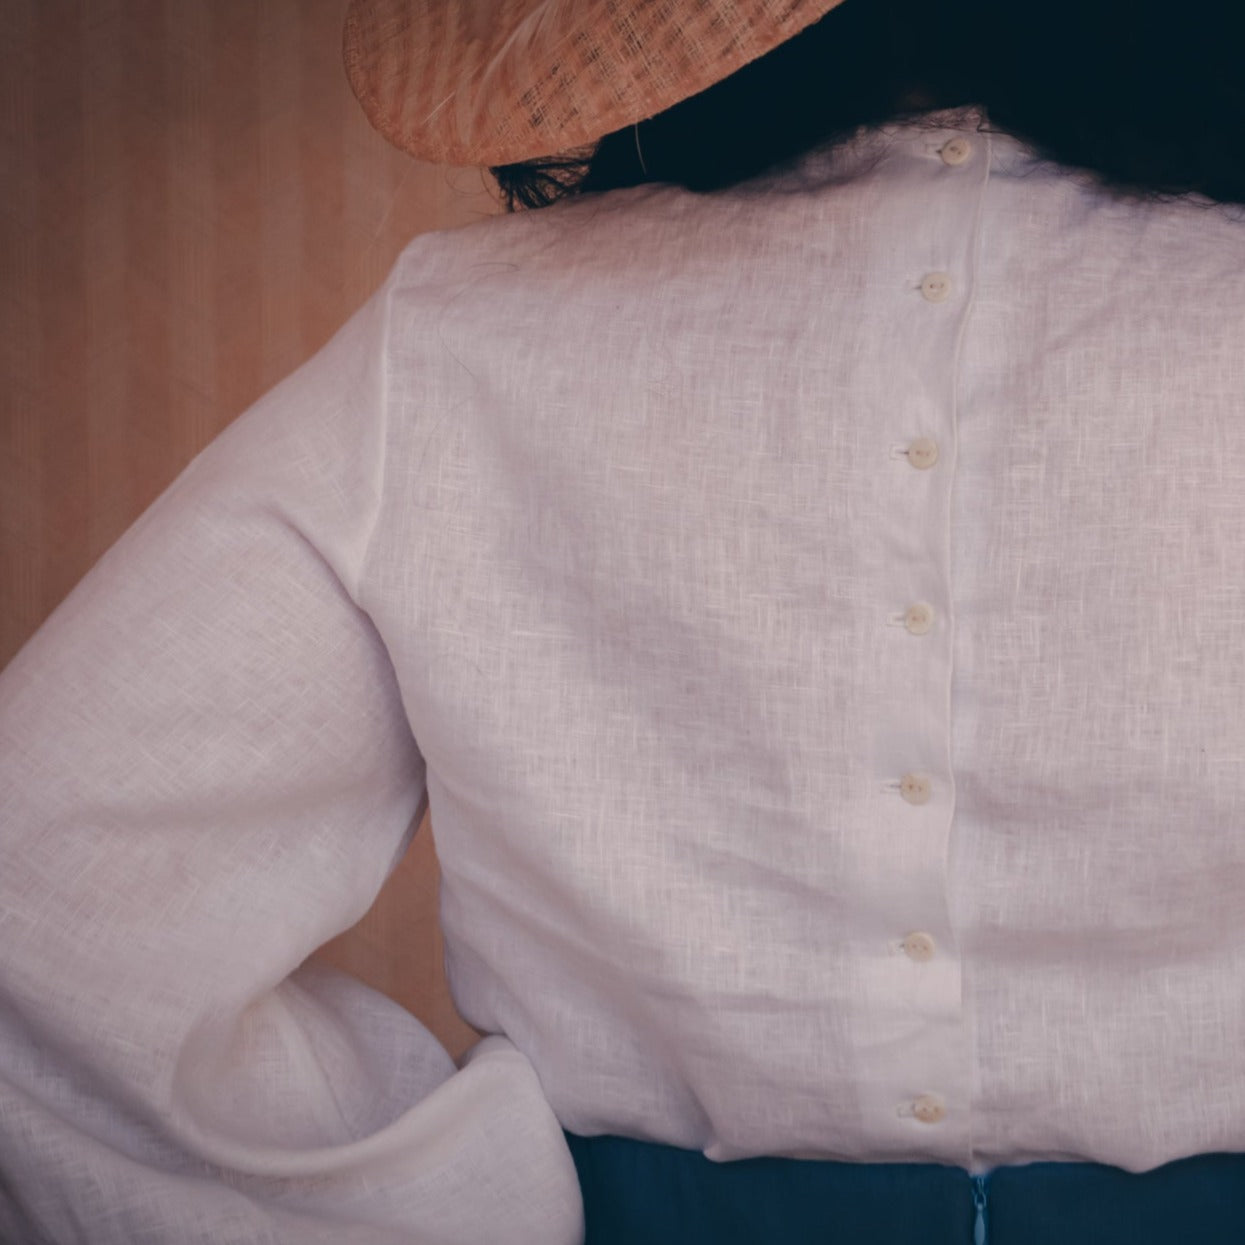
<point x="637" y="1193"/>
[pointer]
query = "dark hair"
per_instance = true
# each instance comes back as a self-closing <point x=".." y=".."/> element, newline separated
<point x="1147" y="97"/>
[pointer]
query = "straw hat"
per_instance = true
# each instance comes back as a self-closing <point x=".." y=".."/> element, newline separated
<point x="490" y="82"/>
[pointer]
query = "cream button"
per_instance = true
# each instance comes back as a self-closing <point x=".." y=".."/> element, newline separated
<point x="915" y="788"/>
<point x="919" y="618"/>
<point x="956" y="151"/>
<point x="929" y="1109"/>
<point x="922" y="453"/>
<point x="919" y="947"/>
<point x="936" y="287"/>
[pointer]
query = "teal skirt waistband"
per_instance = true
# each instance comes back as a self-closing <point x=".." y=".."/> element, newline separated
<point x="640" y="1193"/>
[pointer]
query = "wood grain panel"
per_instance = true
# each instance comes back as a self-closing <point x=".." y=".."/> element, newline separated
<point x="193" y="202"/>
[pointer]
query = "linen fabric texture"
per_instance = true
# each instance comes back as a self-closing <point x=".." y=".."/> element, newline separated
<point x="598" y="530"/>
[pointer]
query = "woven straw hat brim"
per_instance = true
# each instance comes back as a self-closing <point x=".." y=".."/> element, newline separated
<point x="491" y="82"/>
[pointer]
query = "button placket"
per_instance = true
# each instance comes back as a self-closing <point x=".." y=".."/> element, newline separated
<point x="921" y="970"/>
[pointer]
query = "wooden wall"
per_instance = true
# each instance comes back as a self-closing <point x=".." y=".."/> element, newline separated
<point x="192" y="203"/>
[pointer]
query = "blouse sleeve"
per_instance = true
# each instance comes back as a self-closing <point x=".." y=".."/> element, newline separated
<point x="206" y="773"/>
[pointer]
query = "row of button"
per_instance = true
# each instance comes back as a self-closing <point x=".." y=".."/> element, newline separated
<point x="922" y="454"/>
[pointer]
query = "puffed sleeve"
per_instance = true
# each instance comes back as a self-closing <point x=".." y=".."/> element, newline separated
<point x="206" y="772"/>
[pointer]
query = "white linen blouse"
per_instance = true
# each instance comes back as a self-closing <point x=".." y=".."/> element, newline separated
<point x="814" y="615"/>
